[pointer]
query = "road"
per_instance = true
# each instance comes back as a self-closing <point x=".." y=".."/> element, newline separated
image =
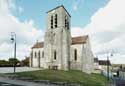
<point x="119" y="82"/>
<point x="10" y="82"/>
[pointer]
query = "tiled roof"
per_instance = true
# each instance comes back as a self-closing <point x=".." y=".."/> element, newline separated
<point x="38" y="45"/>
<point x="79" y="39"/>
<point x="75" y="40"/>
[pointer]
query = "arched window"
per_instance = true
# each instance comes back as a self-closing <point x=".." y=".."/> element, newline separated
<point x="75" y="54"/>
<point x="39" y="54"/>
<point x="35" y="55"/>
<point x="39" y="59"/>
<point x="54" y="55"/>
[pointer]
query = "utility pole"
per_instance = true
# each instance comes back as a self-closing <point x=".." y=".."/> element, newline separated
<point x="108" y="63"/>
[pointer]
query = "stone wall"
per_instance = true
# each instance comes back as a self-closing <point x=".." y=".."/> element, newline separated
<point x="76" y="64"/>
<point x="37" y="61"/>
<point x="85" y="59"/>
<point x="88" y="57"/>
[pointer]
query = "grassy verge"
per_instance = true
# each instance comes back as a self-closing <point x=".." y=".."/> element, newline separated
<point x="67" y="76"/>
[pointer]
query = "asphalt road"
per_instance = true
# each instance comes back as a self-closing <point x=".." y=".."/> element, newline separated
<point x="10" y="82"/>
<point x="119" y="82"/>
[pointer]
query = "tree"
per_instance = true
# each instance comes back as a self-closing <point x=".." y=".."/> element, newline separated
<point x="3" y="63"/>
<point x="25" y="62"/>
<point x="13" y="60"/>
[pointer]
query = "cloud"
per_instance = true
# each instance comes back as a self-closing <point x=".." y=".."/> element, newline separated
<point x="26" y="32"/>
<point x="107" y="29"/>
<point x="76" y="31"/>
<point x="77" y="4"/>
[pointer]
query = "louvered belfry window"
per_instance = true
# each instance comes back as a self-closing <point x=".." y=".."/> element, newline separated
<point x="55" y="20"/>
<point x="51" y="22"/>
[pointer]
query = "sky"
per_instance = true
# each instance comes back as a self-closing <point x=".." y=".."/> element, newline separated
<point x="102" y="20"/>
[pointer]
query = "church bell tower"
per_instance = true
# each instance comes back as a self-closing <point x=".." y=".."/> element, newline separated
<point x="57" y="39"/>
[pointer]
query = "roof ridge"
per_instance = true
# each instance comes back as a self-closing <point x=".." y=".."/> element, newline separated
<point x="81" y="36"/>
<point x="38" y="45"/>
<point x="57" y="8"/>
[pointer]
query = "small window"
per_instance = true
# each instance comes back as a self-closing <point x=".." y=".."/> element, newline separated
<point x="35" y="55"/>
<point x="54" y="55"/>
<point x="75" y="54"/>
<point x="39" y="54"/>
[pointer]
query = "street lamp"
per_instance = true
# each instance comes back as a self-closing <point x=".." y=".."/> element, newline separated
<point x="108" y="65"/>
<point x="13" y="39"/>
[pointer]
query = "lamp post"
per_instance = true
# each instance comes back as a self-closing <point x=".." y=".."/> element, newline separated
<point x="13" y="39"/>
<point x="108" y="62"/>
<point x="108" y="68"/>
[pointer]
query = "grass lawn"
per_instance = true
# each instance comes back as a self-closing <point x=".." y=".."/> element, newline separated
<point x="67" y="76"/>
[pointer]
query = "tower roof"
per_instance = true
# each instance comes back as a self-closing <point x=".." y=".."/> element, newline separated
<point x="59" y="7"/>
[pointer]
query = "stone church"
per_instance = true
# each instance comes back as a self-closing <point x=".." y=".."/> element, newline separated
<point x="59" y="50"/>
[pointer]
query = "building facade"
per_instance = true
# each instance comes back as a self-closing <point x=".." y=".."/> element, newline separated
<point x="59" y="50"/>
